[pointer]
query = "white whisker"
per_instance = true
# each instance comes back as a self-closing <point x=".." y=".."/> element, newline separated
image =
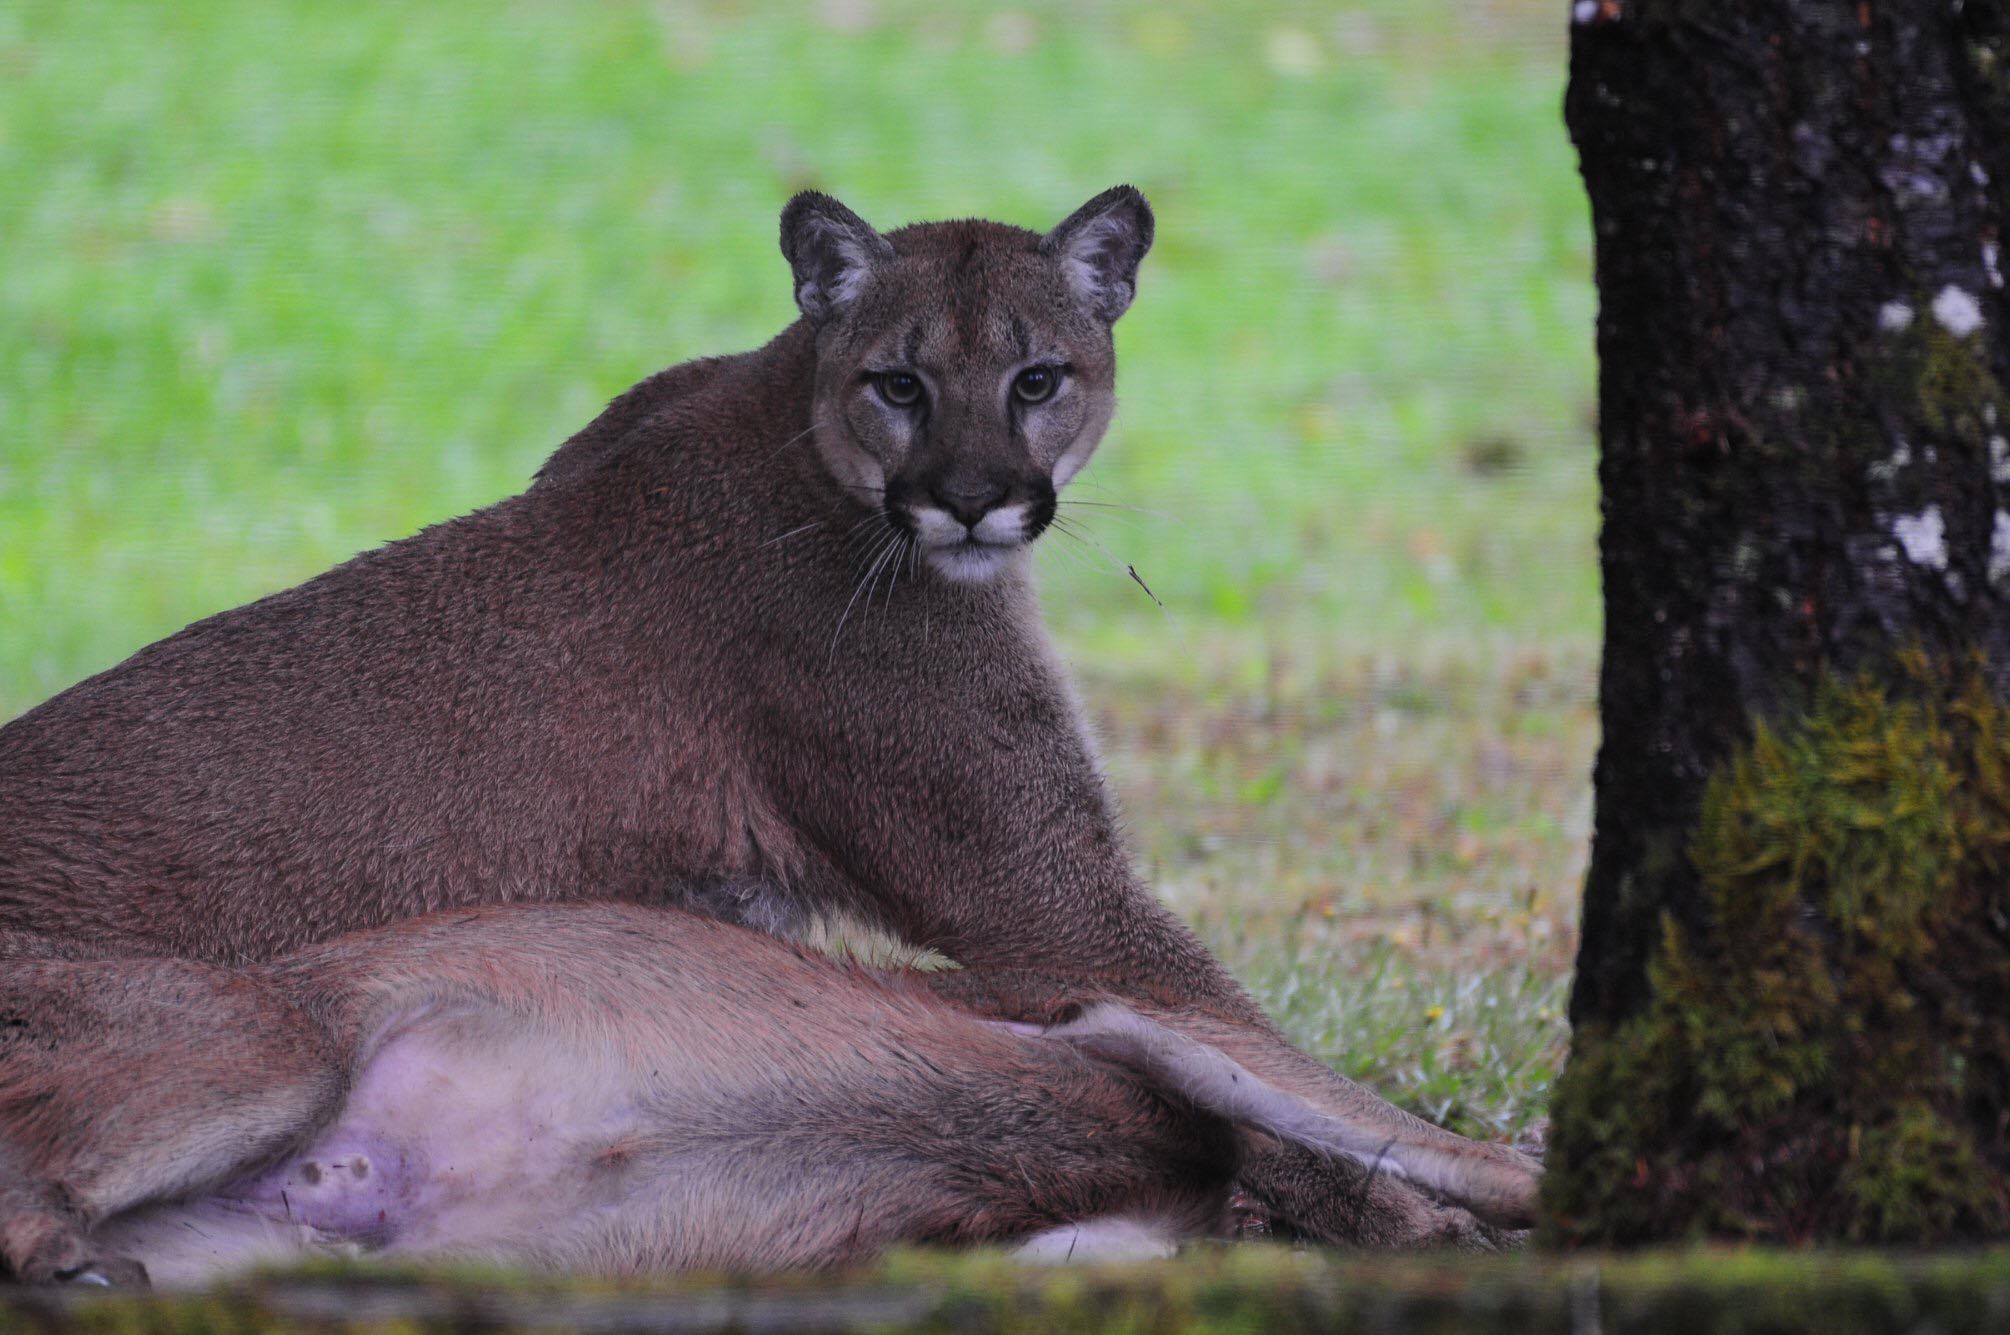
<point x="814" y="424"/>
<point x="880" y="554"/>
<point x="804" y="528"/>
<point x="1119" y="567"/>
<point x="894" y="583"/>
<point x="865" y="530"/>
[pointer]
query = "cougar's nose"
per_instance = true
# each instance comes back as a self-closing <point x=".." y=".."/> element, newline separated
<point x="968" y="502"/>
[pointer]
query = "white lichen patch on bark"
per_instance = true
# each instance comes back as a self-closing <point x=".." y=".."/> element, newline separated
<point x="1914" y="170"/>
<point x="1886" y="469"/>
<point x="1958" y="311"/>
<point x="1924" y="537"/>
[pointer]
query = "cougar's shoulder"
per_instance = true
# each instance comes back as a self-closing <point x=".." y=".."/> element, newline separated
<point x="661" y="407"/>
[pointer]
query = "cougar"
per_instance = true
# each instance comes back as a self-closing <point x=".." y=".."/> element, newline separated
<point x="760" y="640"/>
<point x="613" y="1088"/>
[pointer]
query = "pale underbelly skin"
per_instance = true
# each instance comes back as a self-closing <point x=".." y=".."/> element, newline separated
<point x="460" y="1136"/>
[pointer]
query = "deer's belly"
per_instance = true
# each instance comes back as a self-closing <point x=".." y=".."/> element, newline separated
<point x="462" y="1135"/>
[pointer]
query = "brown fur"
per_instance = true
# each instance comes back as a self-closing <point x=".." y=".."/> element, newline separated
<point x="773" y="1107"/>
<point x="650" y="677"/>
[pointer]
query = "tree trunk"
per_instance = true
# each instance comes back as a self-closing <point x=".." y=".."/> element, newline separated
<point x="1789" y="1015"/>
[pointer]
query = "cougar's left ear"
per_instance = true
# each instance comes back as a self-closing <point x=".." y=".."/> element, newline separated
<point x="832" y="250"/>
<point x="1100" y="246"/>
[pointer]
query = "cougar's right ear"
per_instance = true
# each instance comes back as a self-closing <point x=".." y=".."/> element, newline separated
<point x="832" y="250"/>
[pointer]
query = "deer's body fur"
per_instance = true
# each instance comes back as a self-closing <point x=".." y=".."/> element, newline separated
<point x="611" y="1088"/>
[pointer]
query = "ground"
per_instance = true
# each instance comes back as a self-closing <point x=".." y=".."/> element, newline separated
<point x="1247" y="1290"/>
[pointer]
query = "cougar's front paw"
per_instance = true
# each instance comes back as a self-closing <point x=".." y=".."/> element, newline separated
<point x="47" y="1247"/>
<point x="1508" y="1193"/>
<point x="40" y="1246"/>
<point x="108" y="1272"/>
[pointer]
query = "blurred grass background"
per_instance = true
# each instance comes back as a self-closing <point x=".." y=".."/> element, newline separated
<point x="280" y="281"/>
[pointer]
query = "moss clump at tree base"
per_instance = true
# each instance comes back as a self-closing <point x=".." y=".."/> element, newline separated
<point x="1253" y="1289"/>
<point x="1825" y="1051"/>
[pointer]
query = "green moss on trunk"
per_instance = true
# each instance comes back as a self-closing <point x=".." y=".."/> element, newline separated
<point x="1826" y="1052"/>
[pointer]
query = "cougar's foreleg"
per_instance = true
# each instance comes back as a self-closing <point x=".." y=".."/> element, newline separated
<point x="126" y="1080"/>
<point x="1357" y="1126"/>
<point x="1383" y="1199"/>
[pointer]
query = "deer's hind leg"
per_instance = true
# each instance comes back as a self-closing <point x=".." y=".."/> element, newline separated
<point x="124" y="1081"/>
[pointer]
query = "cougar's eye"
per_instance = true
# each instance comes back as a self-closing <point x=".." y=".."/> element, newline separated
<point x="1036" y="383"/>
<point x="900" y="389"/>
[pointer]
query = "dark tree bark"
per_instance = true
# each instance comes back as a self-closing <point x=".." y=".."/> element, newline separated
<point x="1803" y="350"/>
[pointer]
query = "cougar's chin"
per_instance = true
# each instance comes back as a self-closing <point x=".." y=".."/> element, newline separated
<point x="970" y="561"/>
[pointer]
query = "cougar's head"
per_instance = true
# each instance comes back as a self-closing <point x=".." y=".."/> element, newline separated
<point x="964" y="369"/>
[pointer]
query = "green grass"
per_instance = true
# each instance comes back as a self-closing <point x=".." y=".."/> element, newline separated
<point x="1237" y="1291"/>
<point x="1388" y="853"/>
<point x="282" y="281"/>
